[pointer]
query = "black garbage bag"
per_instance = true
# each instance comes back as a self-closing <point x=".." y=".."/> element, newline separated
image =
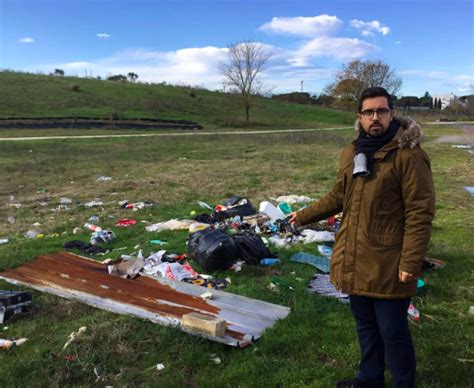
<point x="251" y="249"/>
<point x="236" y="206"/>
<point x="212" y="249"/>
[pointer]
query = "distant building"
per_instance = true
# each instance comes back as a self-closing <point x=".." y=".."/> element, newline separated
<point x="445" y="98"/>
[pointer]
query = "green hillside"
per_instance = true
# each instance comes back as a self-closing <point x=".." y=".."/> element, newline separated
<point x="32" y="95"/>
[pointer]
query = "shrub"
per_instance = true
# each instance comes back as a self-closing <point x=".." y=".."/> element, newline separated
<point x="74" y="87"/>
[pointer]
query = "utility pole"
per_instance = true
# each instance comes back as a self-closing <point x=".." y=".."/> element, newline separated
<point x="302" y="86"/>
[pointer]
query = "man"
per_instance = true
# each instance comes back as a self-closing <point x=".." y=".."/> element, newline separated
<point x="385" y="189"/>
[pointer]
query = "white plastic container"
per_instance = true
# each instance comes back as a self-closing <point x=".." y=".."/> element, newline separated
<point x="271" y="211"/>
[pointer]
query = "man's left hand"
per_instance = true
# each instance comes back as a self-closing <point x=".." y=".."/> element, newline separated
<point x="405" y="277"/>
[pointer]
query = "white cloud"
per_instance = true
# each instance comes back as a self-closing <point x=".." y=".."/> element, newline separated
<point x="303" y="26"/>
<point x="436" y="80"/>
<point x="339" y="48"/>
<point x="198" y="66"/>
<point x="26" y="40"/>
<point x="368" y="28"/>
<point x="191" y="66"/>
<point x="103" y="35"/>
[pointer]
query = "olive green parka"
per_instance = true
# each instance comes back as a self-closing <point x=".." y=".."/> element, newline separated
<point x="387" y="216"/>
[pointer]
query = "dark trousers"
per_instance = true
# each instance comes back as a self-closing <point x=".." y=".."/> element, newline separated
<point x="382" y="328"/>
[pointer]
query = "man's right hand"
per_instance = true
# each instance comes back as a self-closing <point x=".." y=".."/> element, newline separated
<point x="293" y="219"/>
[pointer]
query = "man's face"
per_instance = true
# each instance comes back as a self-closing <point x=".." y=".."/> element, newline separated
<point x="375" y="116"/>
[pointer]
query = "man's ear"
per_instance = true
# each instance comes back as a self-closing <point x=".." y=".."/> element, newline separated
<point x="392" y="114"/>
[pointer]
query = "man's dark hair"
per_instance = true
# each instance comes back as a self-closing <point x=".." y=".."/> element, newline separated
<point x="375" y="92"/>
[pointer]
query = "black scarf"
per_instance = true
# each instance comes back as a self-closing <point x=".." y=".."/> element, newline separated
<point x="369" y="145"/>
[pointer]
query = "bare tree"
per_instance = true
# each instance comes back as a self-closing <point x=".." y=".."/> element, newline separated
<point x="358" y="75"/>
<point x="245" y="60"/>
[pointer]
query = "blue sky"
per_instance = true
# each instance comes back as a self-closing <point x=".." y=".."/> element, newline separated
<point x="430" y="43"/>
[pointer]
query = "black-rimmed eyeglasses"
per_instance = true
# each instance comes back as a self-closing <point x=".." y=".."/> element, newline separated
<point x="381" y="112"/>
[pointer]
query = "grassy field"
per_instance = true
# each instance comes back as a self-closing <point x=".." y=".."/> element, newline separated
<point x="315" y="345"/>
<point x="31" y="95"/>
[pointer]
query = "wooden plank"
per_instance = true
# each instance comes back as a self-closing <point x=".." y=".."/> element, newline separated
<point x="204" y="323"/>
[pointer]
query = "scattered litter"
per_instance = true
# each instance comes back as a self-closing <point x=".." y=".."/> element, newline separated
<point x="285" y="207"/>
<point x="471" y="310"/>
<point x="176" y="271"/>
<point x="325" y="250"/>
<point x="281" y="283"/>
<point x="271" y="211"/>
<point x="206" y="296"/>
<point x="136" y="205"/>
<point x="216" y="360"/>
<point x="320" y="262"/>
<point x="470" y="190"/>
<point x="269" y="261"/>
<point x="11" y="219"/>
<point x="90" y="249"/>
<point x="92" y="227"/>
<point x="311" y="236"/>
<point x="76" y="230"/>
<point x="127" y="269"/>
<point x="74" y="335"/>
<point x="431" y="263"/>
<point x="197" y="226"/>
<point x="103" y="236"/>
<point x="70" y="357"/>
<point x="292" y="199"/>
<point x="13" y="303"/>
<point x="420" y="286"/>
<point x="157" y="242"/>
<point x="172" y="224"/>
<point x="322" y="285"/>
<point x="65" y="201"/>
<point x="103" y="178"/>
<point x="4" y="241"/>
<point x="413" y="313"/>
<point x="93" y="203"/>
<point x="160" y="366"/>
<point x="8" y="345"/>
<point x="125" y="222"/>
<point x="37" y="224"/>
<point x="34" y="234"/>
<point x="94" y="219"/>
<point x="204" y="205"/>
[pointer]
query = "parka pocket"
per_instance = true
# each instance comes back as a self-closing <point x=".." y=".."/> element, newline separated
<point x="386" y="234"/>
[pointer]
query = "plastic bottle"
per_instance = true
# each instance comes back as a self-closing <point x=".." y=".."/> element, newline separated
<point x="269" y="261"/>
<point x="92" y="227"/>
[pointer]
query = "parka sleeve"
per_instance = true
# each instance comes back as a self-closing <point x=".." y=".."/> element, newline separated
<point x="327" y="206"/>
<point x="419" y="203"/>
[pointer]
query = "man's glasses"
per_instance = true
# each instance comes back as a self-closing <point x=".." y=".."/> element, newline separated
<point x="381" y="112"/>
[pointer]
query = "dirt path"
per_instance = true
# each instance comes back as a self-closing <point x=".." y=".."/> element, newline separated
<point x="27" y="138"/>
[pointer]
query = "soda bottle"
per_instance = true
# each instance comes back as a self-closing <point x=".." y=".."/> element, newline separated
<point x="269" y="261"/>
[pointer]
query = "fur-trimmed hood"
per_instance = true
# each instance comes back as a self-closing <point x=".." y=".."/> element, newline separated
<point x="409" y="135"/>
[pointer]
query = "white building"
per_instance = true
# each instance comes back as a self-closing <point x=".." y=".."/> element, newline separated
<point x="445" y="98"/>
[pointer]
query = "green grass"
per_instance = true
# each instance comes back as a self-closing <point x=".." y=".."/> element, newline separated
<point x="30" y="95"/>
<point x="315" y="345"/>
